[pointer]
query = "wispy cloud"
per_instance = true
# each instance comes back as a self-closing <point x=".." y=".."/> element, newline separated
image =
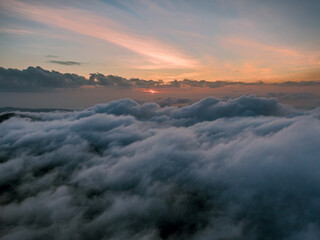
<point x="86" y="23"/>
<point x="15" y="31"/>
<point x="51" y="56"/>
<point x="69" y="63"/>
<point x="282" y="51"/>
<point x="268" y="61"/>
<point x="278" y="54"/>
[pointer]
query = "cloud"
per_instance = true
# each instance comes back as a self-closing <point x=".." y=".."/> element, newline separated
<point x="298" y="84"/>
<point x="207" y="109"/>
<point x="52" y="56"/>
<point x="88" y="24"/>
<point x="246" y="168"/>
<point x="281" y="51"/>
<point x="15" y="31"/>
<point x="37" y="79"/>
<point x="171" y="101"/>
<point x="68" y="63"/>
<point x="204" y="83"/>
<point x="112" y="80"/>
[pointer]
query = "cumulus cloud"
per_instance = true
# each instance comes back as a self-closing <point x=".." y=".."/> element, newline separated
<point x="246" y="168"/>
<point x="36" y="78"/>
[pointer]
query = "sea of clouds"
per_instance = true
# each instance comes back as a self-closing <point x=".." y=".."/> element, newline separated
<point x="247" y="168"/>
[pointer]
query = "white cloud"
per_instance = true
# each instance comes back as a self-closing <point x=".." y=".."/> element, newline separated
<point x="244" y="168"/>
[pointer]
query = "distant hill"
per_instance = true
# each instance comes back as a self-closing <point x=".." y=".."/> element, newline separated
<point x="9" y="112"/>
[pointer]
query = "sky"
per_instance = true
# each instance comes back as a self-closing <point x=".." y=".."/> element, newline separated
<point x="249" y="41"/>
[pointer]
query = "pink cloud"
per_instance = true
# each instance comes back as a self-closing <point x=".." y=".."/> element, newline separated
<point x="15" y="31"/>
<point x="86" y="23"/>
<point x="281" y="51"/>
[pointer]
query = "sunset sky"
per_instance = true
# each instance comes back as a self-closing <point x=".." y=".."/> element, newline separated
<point x="160" y="119"/>
<point x="227" y="40"/>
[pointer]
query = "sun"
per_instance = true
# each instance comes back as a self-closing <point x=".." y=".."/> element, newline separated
<point x="152" y="91"/>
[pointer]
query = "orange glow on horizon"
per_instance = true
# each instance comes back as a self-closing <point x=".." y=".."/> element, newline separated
<point x="152" y="91"/>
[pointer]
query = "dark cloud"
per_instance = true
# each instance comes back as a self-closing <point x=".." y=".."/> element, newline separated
<point x="69" y="63"/>
<point x="299" y="84"/>
<point x="52" y="56"/>
<point x="210" y="84"/>
<point x="246" y="168"/>
<point x="116" y="81"/>
<point x="109" y="80"/>
<point x="171" y="101"/>
<point x="37" y="78"/>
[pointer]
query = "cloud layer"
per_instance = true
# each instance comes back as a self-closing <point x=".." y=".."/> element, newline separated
<point x="36" y="78"/>
<point x="246" y="168"/>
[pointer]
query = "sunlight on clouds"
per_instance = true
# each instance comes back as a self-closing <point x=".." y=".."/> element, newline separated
<point x="86" y="23"/>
